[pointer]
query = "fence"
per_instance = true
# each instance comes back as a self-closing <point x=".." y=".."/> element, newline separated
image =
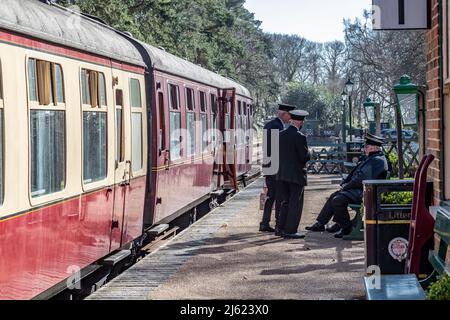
<point x="411" y="155"/>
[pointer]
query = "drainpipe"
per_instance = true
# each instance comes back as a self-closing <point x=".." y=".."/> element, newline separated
<point x="441" y="102"/>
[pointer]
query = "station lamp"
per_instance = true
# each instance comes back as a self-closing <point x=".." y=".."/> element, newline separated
<point x="349" y="86"/>
<point x="369" y="106"/>
<point x="407" y="98"/>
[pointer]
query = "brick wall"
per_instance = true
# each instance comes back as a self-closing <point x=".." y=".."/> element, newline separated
<point x="433" y="143"/>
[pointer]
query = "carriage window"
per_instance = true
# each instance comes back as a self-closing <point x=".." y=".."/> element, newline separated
<point x="245" y="108"/>
<point x="174" y="97"/>
<point x="190" y="118"/>
<point x="119" y="127"/>
<point x="102" y="84"/>
<point x="175" y="135"/>
<point x="202" y="101"/>
<point x="1" y="84"/>
<point x="214" y="119"/>
<point x="1" y="157"/>
<point x="239" y="107"/>
<point x="93" y="88"/>
<point x="47" y="144"/>
<point x="214" y="103"/>
<point x="32" y="89"/>
<point x="135" y="89"/>
<point x="162" y="122"/>
<point x="85" y="86"/>
<point x="190" y="99"/>
<point x="136" y="141"/>
<point x="45" y="82"/>
<point x="1" y="139"/>
<point x="94" y="146"/>
<point x="204" y="132"/>
<point x="59" y="83"/>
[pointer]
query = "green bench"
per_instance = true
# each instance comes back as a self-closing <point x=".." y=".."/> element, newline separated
<point x="406" y="286"/>
<point x="357" y="233"/>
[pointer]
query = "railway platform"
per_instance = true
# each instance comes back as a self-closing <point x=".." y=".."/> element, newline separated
<point x="224" y="256"/>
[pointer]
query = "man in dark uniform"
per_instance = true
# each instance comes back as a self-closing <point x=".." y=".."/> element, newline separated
<point x="278" y="124"/>
<point x="374" y="165"/>
<point x="291" y="177"/>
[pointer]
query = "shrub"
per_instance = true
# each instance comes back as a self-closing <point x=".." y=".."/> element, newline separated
<point x="397" y="197"/>
<point x="440" y="290"/>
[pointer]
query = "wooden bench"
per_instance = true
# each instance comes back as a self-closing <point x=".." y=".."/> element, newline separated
<point x="406" y="286"/>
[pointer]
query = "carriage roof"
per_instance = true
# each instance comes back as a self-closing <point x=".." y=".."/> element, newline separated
<point x="69" y="28"/>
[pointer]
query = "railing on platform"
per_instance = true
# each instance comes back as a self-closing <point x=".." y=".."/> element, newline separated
<point x="327" y="158"/>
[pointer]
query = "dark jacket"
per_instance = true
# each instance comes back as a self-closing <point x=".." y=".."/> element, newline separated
<point x="274" y="124"/>
<point x="373" y="167"/>
<point x="294" y="155"/>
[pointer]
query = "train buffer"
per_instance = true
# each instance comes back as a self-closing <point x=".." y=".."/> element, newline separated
<point x="224" y="256"/>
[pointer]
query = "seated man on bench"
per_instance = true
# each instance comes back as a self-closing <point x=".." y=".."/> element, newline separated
<point x="373" y="166"/>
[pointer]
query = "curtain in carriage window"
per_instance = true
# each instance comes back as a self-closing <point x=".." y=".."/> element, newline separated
<point x="191" y="126"/>
<point x="175" y="135"/>
<point x="94" y="146"/>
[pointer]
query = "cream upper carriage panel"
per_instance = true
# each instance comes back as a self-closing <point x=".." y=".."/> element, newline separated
<point x="32" y="19"/>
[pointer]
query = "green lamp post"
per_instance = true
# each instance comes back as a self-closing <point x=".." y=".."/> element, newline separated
<point x="344" y="117"/>
<point x="406" y="112"/>
<point x="349" y="89"/>
<point x="370" y="108"/>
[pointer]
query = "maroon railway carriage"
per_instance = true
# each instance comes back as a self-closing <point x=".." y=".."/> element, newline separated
<point x="91" y="151"/>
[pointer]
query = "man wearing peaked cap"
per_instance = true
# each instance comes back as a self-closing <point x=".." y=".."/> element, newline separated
<point x="291" y="178"/>
<point x="374" y="165"/>
<point x="277" y="124"/>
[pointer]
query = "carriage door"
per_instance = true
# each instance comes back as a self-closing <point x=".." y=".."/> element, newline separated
<point x="229" y="166"/>
<point x="248" y="133"/>
<point x="122" y="166"/>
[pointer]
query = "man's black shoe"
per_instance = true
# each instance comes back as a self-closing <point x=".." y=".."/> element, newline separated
<point x="334" y="228"/>
<point x="266" y="228"/>
<point x="297" y="235"/>
<point x="343" y="232"/>
<point x="316" y="227"/>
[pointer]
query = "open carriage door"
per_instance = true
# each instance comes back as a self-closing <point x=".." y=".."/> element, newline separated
<point x="227" y="109"/>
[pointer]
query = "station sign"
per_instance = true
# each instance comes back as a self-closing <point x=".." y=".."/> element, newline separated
<point x="401" y="14"/>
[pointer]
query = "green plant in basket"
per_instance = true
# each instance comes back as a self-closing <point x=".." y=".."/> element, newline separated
<point x="403" y="198"/>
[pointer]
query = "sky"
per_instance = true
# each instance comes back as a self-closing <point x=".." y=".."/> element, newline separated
<point x="316" y="20"/>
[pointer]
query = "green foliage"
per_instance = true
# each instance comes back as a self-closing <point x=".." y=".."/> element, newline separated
<point x="220" y="35"/>
<point x="440" y="290"/>
<point x="397" y="197"/>
<point x="317" y="100"/>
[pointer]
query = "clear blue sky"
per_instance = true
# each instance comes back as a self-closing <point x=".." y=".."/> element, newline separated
<point x="317" y="20"/>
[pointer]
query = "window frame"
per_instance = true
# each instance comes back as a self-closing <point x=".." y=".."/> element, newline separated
<point x="191" y="112"/>
<point x="90" y="186"/>
<point x="135" y="110"/>
<point x="162" y="141"/>
<point x="88" y="105"/>
<point x="192" y="91"/>
<point x="203" y="113"/>
<point x="2" y="133"/>
<point x="203" y="98"/>
<point x="171" y="84"/>
<point x="60" y="106"/>
<point x="35" y="105"/>
<point x="1" y="85"/>
<point x="181" y="154"/>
